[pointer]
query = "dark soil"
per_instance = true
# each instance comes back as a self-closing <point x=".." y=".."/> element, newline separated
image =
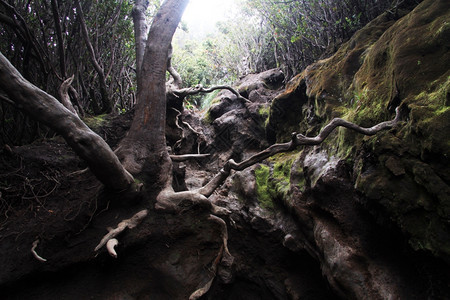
<point x="48" y="195"/>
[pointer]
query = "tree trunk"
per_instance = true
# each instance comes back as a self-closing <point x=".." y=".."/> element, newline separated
<point x="143" y="151"/>
<point x="140" y="31"/>
<point x="46" y="109"/>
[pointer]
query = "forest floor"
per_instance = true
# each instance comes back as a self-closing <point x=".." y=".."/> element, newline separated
<point x="48" y="196"/>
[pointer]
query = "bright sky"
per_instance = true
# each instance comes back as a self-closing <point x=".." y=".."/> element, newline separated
<point x="204" y="14"/>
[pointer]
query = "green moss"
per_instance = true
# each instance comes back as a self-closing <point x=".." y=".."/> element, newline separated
<point x="262" y="174"/>
<point x="264" y="111"/>
<point x="95" y="122"/>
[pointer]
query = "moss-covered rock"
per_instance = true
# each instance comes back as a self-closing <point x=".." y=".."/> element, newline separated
<point x="405" y="171"/>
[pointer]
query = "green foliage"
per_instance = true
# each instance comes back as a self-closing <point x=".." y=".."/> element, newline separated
<point x="300" y="31"/>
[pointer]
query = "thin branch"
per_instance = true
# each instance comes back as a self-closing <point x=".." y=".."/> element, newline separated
<point x="177" y="80"/>
<point x="200" y="89"/>
<point x="297" y="140"/>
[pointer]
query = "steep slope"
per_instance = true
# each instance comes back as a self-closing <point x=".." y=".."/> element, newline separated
<point x="363" y="198"/>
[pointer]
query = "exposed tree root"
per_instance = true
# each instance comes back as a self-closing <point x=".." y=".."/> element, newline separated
<point x="297" y="140"/>
<point x="205" y="288"/>
<point x="181" y="93"/>
<point x="184" y="157"/>
<point x="33" y="251"/>
<point x="220" y="256"/>
<point x="110" y="247"/>
<point x="170" y="200"/>
<point x="200" y="136"/>
<point x="128" y="223"/>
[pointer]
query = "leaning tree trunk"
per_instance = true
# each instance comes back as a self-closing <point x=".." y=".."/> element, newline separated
<point x="46" y="109"/>
<point x="143" y="151"/>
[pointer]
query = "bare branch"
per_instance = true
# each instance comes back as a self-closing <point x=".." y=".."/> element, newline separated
<point x="177" y="80"/>
<point x="200" y="89"/>
<point x="168" y="199"/>
<point x="297" y="140"/>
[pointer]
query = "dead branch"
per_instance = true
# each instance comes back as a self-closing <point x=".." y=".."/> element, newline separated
<point x="33" y="251"/>
<point x="199" y="135"/>
<point x="181" y="93"/>
<point x="46" y="109"/>
<point x="297" y="140"/>
<point x="64" y="95"/>
<point x="177" y="81"/>
<point x="168" y="199"/>
<point x="128" y="223"/>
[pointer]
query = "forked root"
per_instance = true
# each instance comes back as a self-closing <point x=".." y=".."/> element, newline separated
<point x="110" y="236"/>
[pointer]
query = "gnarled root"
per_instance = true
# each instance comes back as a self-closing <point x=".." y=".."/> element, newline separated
<point x="110" y="236"/>
<point x="223" y="257"/>
<point x="169" y="200"/>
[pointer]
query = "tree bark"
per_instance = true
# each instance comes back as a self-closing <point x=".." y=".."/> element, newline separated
<point x="143" y="151"/>
<point x="140" y="31"/>
<point x="46" y="109"/>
